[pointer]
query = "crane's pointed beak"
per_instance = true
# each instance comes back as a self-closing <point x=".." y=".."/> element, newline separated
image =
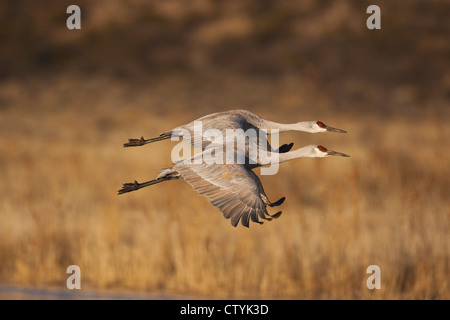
<point x="331" y="129"/>
<point x="335" y="153"/>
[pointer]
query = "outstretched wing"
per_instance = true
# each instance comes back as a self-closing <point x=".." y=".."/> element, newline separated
<point x="230" y="187"/>
<point x="264" y="197"/>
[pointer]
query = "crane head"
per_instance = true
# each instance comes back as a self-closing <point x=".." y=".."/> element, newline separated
<point x="321" y="151"/>
<point x="322" y="127"/>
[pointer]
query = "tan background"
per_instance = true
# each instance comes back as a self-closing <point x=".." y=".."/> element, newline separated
<point x="69" y="99"/>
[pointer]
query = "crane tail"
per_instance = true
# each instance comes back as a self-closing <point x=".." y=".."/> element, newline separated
<point x="141" y="141"/>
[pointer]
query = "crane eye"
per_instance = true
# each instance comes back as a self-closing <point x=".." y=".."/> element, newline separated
<point x="321" y="124"/>
<point x="321" y="148"/>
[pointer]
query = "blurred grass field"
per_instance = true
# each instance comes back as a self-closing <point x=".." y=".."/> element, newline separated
<point x="69" y="103"/>
<point x="386" y="205"/>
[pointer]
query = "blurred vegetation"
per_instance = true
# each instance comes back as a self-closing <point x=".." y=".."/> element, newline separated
<point x="325" y="43"/>
<point x="70" y="98"/>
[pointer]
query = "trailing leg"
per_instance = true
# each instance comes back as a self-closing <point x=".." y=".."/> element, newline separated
<point x="128" y="187"/>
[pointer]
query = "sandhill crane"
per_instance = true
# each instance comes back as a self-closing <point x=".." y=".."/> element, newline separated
<point x="236" y="119"/>
<point x="233" y="188"/>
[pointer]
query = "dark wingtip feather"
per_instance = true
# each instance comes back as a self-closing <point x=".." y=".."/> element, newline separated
<point x="285" y="148"/>
<point x="277" y="203"/>
<point x="276" y="215"/>
<point x="245" y="219"/>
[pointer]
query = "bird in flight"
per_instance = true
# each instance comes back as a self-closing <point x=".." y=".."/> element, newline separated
<point x="234" y="119"/>
<point x="233" y="187"/>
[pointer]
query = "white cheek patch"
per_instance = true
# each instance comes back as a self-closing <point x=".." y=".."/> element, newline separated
<point x="318" y="128"/>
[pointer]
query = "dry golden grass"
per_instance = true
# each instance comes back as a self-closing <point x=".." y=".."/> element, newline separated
<point x="69" y="99"/>
<point x="62" y="162"/>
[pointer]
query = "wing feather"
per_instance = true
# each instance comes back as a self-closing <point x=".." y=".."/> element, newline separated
<point x="230" y="187"/>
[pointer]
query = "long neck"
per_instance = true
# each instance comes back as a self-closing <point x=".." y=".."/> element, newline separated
<point x="304" y="152"/>
<point x="299" y="126"/>
<point x="274" y="158"/>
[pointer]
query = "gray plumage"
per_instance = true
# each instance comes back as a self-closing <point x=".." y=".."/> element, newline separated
<point x="233" y="119"/>
<point x="232" y="187"/>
